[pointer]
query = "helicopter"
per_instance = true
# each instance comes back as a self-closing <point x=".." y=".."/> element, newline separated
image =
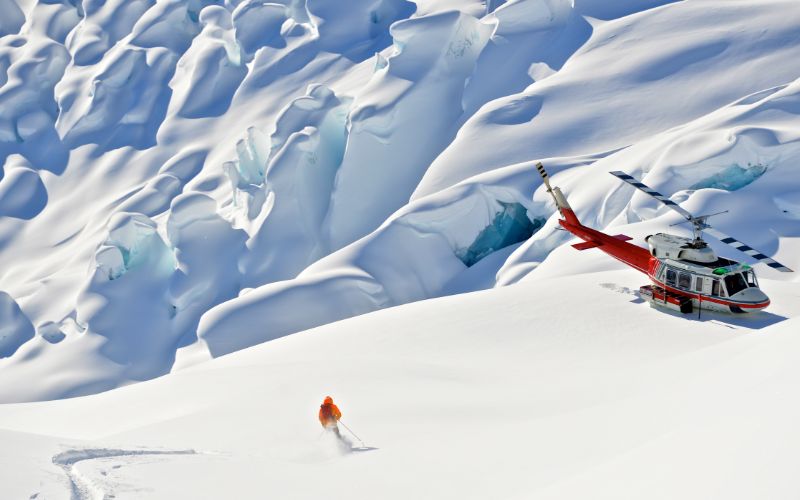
<point x="685" y="273"/>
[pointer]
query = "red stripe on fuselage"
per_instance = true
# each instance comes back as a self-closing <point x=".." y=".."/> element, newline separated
<point x="708" y="298"/>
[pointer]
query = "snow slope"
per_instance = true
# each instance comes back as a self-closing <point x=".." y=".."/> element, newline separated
<point x="498" y="394"/>
<point x="213" y="213"/>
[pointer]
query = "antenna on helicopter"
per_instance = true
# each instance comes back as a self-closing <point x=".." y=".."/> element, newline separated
<point x="700" y="224"/>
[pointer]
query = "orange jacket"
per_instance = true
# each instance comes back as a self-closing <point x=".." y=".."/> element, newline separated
<point x="329" y="413"/>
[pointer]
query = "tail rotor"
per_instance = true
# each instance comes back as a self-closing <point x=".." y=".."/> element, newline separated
<point x="558" y="197"/>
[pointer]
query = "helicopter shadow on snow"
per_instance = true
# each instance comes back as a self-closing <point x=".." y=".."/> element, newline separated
<point x="750" y="321"/>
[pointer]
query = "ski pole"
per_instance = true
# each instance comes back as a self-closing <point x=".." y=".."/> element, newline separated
<point x="353" y="433"/>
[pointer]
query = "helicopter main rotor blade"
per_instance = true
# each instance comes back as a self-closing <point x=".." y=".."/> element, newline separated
<point x="652" y="192"/>
<point x="738" y="245"/>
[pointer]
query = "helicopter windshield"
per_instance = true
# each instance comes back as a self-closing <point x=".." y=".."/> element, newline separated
<point x="735" y="283"/>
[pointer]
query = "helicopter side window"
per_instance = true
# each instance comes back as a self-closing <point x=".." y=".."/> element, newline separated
<point x="698" y="284"/>
<point x="735" y="283"/>
<point x="684" y="281"/>
<point x="672" y="276"/>
<point x="715" y="288"/>
<point x="750" y="278"/>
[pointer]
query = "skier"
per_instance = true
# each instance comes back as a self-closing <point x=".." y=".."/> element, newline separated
<point x="329" y="416"/>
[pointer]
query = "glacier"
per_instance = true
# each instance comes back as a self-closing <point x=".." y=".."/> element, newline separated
<point x="342" y="162"/>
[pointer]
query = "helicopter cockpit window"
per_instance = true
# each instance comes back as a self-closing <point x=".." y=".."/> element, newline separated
<point x="735" y="283"/>
<point x="672" y="276"/>
<point x="684" y="281"/>
<point x="750" y="278"/>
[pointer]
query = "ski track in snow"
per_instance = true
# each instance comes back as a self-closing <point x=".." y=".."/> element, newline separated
<point x="82" y="488"/>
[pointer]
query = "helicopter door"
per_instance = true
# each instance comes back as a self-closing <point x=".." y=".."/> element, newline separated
<point x="715" y="290"/>
<point x="698" y="284"/>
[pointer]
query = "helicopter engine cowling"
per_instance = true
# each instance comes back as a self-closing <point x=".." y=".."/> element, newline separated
<point x="670" y="246"/>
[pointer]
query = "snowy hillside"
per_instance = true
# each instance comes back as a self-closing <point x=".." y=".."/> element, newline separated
<point x="185" y="179"/>
<point x="499" y="394"/>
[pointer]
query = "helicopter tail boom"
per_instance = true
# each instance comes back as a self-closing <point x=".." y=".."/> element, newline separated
<point x="592" y="244"/>
<point x="615" y="246"/>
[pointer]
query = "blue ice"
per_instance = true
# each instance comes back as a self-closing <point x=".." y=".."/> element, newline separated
<point x="732" y="178"/>
<point x="510" y="226"/>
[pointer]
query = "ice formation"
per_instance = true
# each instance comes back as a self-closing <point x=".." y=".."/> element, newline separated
<point x="365" y="276"/>
<point x="391" y="142"/>
<point x="732" y="178"/>
<point x="200" y="236"/>
<point x="509" y="226"/>
<point x="136" y="240"/>
<point x="297" y="168"/>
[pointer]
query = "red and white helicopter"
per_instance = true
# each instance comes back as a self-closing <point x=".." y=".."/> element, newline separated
<point x="685" y="273"/>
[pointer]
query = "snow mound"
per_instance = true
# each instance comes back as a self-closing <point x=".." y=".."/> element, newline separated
<point x="211" y="70"/>
<point x="518" y="16"/>
<point x="122" y="103"/>
<point x="27" y="111"/>
<point x="15" y="327"/>
<point x="363" y="29"/>
<point x="22" y="193"/>
<point x="259" y="24"/>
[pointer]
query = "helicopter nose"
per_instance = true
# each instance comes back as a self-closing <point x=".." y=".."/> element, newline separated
<point x="751" y="295"/>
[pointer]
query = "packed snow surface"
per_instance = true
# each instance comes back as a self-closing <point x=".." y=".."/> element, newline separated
<point x="184" y="179"/>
